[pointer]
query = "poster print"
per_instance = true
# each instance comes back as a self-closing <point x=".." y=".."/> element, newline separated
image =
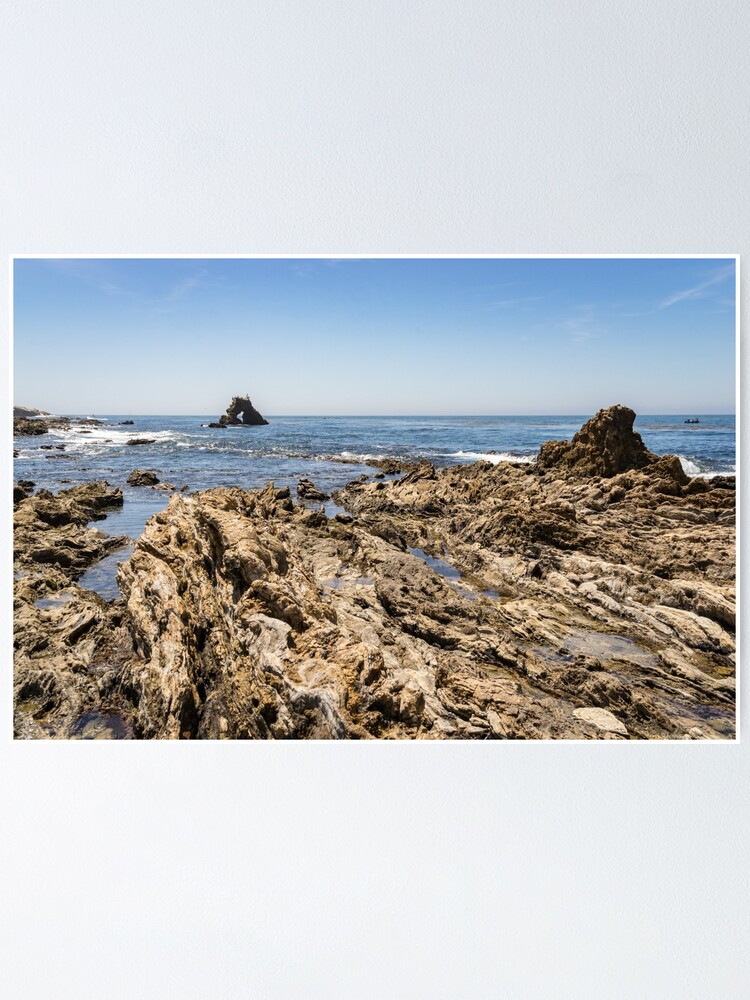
<point x="392" y="498"/>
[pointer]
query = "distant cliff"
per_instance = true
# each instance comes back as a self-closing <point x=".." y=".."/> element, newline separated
<point x="28" y="411"/>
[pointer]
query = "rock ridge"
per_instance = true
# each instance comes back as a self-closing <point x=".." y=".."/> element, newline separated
<point x="475" y="602"/>
<point x="606" y="445"/>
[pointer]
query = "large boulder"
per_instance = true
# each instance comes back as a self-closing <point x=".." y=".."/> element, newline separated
<point x="241" y="411"/>
<point x="605" y="446"/>
<point x="142" y="477"/>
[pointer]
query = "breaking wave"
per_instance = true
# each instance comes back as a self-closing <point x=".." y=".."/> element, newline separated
<point x="493" y="456"/>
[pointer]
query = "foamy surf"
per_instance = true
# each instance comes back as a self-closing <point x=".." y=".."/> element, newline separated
<point x="696" y="471"/>
<point x="494" y="457"/>
<point x="97" y="439"/>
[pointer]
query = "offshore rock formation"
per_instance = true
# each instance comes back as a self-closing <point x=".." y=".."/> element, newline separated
<point x="241" y="411"/>
<point x="605" y="446"/>
<point x="28" y="411"/>
<point x="23" y="426"/>
<point x="481" y="601"/>
<point x="26" y="427"/>
<point x="142" y="477"/>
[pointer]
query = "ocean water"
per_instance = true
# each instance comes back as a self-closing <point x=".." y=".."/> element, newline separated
<point x="330" y="451"/>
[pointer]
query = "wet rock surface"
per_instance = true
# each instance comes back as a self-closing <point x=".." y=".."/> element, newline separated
<point x="481" y="601"/>
<point x="23" y="426"/>
<point x="307" y="490"/>
<point x="66" y="639"/>
<point x="619" y="590"/>
<point x="142" y="477"/>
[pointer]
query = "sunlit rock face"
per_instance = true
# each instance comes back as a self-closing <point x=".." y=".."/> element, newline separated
<point x="606" y="446"/>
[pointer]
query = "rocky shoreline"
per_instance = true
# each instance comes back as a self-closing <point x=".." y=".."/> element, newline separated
<point x="588" y="595"/>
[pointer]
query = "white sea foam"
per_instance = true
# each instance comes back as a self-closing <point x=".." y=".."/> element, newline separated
<point x="353" y="456"/>
<point x="99" y="439"/>
<point x="691" y="468"/>
<point x="494" y="457"/>
<point x="688" y="467"/>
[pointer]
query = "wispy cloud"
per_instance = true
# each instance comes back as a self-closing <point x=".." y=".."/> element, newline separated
<point x="516" y="303"/>
<point x="90" y="272"/>
<point x="98" y="274"/>
<point x="183" y="286"/>
<point x="583" y="325"/>
<point x="700" y="290"/>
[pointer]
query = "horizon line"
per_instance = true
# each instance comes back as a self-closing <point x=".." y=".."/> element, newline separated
<point x="372" y="416"/>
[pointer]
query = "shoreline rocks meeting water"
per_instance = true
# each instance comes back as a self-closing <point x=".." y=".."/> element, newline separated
<point x="587" y="595"/>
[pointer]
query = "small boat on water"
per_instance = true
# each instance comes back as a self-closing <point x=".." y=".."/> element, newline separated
<point x="692" y="420"/>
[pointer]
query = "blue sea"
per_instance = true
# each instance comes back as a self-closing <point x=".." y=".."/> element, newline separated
<point x="330" y="451"/>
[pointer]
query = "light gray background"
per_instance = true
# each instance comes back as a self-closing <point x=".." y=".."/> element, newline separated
<point x="348" y="871"/>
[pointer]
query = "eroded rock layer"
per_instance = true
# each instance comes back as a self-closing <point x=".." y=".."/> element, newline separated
<point x="68" y="642"/>
<point x="482" y="601"/>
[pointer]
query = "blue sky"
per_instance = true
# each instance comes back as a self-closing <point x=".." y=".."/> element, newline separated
<point x="375" y="336"/>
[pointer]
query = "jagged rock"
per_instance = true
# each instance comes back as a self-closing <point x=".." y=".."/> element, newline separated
<point x="422" y="470"/>
<point x="41" y="425"/>
<point x="242" y="637"/>
<point x="605" y="446"/>
<point x="644" y="566"/>
<point x="124" y="422"/>
<point x="62" y="634"/>
<point x="242" y="411"/>
<point x="388" y="466"/>
<point x="50" y="533"/>
<point x="142" y="477"/>
<point x="58" y="682"/>
<point x="306" y="490"/>
<point x="141" y="441"/>
<point x="24" y="427"/>
<point x="246" y="616"/>
<point x="22" y="489"/>
<point x="393" y="466"/>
